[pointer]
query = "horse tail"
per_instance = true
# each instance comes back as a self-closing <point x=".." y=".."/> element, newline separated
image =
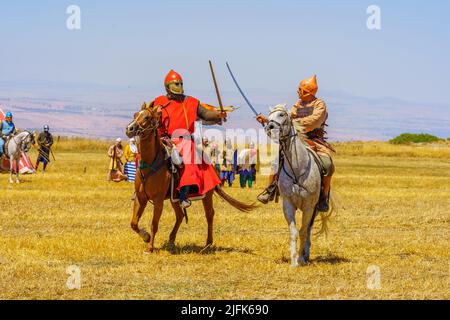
<point x="241" y="206"/>
<point x="325" y="217"/>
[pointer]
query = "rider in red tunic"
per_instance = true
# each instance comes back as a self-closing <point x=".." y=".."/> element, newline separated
<point x="179" y="113"/>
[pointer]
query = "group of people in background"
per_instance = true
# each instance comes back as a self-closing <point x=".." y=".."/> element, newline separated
<point x="44" y="140"/>
<point x="233" y="161"/>
<point x="123" y="161"/>
<point x="228" y="163"/>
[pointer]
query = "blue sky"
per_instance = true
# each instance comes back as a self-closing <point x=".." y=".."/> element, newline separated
<point x="271" y="45"/>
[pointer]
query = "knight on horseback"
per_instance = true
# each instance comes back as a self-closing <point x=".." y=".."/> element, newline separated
<point x="309" y="116"/>
<point x="7" y="130"/>
<point x="169" y="166"/>
<point x="178" y="116"/>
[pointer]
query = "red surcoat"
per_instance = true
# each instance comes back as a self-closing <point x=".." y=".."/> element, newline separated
<point x="178" y="121"/>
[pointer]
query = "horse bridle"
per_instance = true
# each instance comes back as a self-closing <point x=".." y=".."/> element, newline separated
<point x="151" y="129"/>
<point x="21" y="143"/>
<point x="159" y="161"/>
<point x="283" y="141"/>
<point x="282" y="138"/>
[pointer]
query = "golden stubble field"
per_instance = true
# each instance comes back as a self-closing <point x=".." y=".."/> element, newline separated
<point x="394" y="210"/>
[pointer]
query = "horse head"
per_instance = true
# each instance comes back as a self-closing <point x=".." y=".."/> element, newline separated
<point x="279" y="124"/>
<point x="27" y="141"/>
<point x="144" y="122"/>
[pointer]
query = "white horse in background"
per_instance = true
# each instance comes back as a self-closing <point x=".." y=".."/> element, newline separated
<point x="299" y="182"/>
<point x="14" y="147"/>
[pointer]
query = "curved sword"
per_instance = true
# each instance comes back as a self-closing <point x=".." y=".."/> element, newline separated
<point x="242" y="93"/>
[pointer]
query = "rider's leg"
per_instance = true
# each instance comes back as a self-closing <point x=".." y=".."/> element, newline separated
<point x="327" y="184"/>
<point x="323" y="205"/>
<point x="2" y="143"/>
<point x="184" y="201"/>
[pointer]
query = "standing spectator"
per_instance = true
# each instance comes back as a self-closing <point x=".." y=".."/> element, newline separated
<point x="45" y="142"/>
<point x="253" y="161"/>
<point x="130" y="154"/>
<point x="213" y="151"/>
<point x="115" y="153"/>
<point x="228" y="166"/>
<point x="247" y="164"/>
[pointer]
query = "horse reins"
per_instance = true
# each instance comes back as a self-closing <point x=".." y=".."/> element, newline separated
<point x="283" y="141"/>
<point x="157" y="163"/>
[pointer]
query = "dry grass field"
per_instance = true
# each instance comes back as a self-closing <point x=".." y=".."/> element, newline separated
<point x="394" y="213"/>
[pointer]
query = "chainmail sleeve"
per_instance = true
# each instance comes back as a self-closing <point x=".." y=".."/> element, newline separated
<point x="208" y="115"/>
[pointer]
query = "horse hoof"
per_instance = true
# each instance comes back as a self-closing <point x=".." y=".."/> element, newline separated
<point x="145" y="236"/>
<point x="171" y="245"/>
<point x="207" y="247"/>
<point x="302" y="261"/>
<point x="148" y="251"/>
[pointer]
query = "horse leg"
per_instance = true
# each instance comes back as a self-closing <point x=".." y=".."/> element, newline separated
<point x="157" y="212"/>
<point x="17" y="170"/>
<point x="209" y="212"/>
<point x="307" y="249"/>
<point x="138" y="210"/>
<point x="179" y="216"/>
<point x="11" y="168"/>
<point x="289" y="214"/>
<point x="305" y="236"/>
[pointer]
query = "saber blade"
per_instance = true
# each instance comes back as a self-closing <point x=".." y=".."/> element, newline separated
<point x="240" y="90"/>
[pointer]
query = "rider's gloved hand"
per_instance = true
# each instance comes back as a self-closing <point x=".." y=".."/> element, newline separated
<point x="221" y="117"/>
<point x="262" y="119"/>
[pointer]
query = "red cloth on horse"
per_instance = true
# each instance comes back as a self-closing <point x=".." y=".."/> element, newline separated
<point x="178" y="121"/>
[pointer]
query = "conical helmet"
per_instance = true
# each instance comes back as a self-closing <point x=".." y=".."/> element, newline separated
<point x="308" y="87"/>
<point x="174" y="83"/>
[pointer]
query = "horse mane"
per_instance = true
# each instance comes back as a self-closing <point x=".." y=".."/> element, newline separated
<point x="279" y="107"/>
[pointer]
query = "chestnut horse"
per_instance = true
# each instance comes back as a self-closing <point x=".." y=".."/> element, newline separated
<point x="153" y="181"/>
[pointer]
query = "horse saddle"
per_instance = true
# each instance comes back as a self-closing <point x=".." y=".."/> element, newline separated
<point x="175" y="166"/>
<point x="317" y="159"/>
<point x="173" y="193"/>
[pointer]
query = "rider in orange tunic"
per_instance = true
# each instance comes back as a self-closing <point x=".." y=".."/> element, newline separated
<point x="178" y="116"/>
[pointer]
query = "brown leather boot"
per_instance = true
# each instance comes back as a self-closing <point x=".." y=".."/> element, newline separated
<point x="268" y="194"/>
<point x="323" y="205"/>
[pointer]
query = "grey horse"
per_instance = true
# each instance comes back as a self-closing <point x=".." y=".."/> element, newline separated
<point x="299" y="182"/>
<point x="14" y="147"/>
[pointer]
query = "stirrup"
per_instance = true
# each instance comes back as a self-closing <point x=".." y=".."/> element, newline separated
<point x="185" y="204"/>
<point x="268" y="194"/>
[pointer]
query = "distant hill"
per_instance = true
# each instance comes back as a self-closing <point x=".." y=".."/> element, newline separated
<point x="103" y="111"/>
